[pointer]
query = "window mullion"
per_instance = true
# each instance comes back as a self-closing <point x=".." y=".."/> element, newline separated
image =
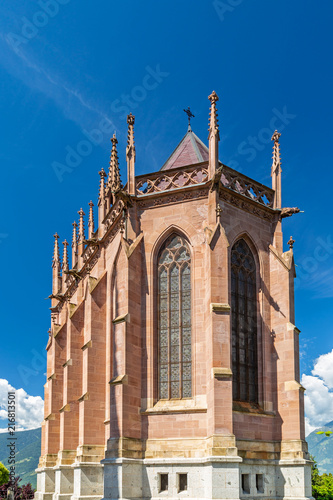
<point x="169" y="332"/>
<point x="180" y="322"/>
<point x="237" y="337"/>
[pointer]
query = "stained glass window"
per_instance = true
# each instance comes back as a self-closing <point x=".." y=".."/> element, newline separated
<point x="174" y="319"/>
<point x="244" y="323"/>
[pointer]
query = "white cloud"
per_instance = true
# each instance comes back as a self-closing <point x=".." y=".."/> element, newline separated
<point x="29" y="409"/>
<point x="319" y="396"/>
<point x="324" y="368"/>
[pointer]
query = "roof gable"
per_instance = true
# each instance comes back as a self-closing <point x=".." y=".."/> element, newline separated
<point x="189" y="151"/>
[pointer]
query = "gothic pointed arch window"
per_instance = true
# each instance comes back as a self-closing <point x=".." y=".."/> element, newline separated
<point x="244" y="323"/>
<point x="174" y="319"/>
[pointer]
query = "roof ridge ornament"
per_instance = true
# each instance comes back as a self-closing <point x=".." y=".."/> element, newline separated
<point x="189" y="116"/>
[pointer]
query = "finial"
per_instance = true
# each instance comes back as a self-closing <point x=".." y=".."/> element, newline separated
<point x="81" y="225"/>
<point x="130" y="119"/>
<point x="114" y="182"/>
<point x="74" y="238"/>
<point x="102" y="175"/>
<point x="189" y="116"/>
<point x="91" y="228"/>
<point x="276" y="165"/>
<point x="213" y="97"/>
<point x="291" y="243"/>
<point x="213" y="120"/>
<point x="130" y="155"/>
<point x="213" y="136"/>
<point x="218" y="211"/>
<point x="56" y="254"/>
<point x="74" y="244"/>
<point x="130" y="150"/>
<point x="65" y="265"/>
<point x="276" y="171"/>
<point x="56" y="266"/>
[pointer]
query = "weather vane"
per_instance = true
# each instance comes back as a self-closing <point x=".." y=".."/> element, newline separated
<point x="189" y="115"/>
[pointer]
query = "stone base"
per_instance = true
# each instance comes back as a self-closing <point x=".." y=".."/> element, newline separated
<point x="64" y="482"/>
<point x="45" y="484"/>
<point x="88" y="481"/>
<point x="220" y="478"/>
<point x="215" y="477"/>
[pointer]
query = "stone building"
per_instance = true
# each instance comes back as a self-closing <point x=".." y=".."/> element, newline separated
<point x="173" y="358"/>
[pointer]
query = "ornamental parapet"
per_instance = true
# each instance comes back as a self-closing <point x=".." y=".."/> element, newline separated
<point x="197" y="175"/>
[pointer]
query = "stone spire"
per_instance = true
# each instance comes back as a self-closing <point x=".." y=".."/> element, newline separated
<point x="65" y="266"/>
<point x="81" y="237"/>
<point x="114" y="182"/>
<point x="214" y="135"/>
<point x="91" y="228"/>
<point x="276" y="170"/>
<point x="56" y="267"/>
<point x="101" y="202"/>
<point x="130" y="155"/>
<point x="74" y="245"/>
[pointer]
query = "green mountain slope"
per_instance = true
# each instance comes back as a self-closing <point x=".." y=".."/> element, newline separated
<point x="321" y="447"/>
<point x="28" y="445"/>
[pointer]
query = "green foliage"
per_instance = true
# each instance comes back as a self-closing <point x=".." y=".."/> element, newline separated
<point x="4" y="474"/>
<point x="322" y="484"/>
<point x="327" y="433"/>
<point x="320" y="446"/>
<point x="27" y="454"/>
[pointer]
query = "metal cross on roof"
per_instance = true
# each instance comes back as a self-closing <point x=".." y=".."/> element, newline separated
<point x="189" y="115"/>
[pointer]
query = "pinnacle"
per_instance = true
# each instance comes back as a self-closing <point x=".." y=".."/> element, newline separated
<point x="130" y="119"/>
<point x="213" y="97"/>
<point x="276" y="136"/>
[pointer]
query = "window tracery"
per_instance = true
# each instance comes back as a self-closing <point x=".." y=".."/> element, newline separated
<point x="244" y="323"/>
<point x="174" y="319"/>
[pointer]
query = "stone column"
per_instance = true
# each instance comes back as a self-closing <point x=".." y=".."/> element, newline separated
<point x="88" y="472"/>
<point x="295" y="467"/>
<point x="51" y="426"/>
<point x="69" y="412"/>
<point x="122" y="465"/>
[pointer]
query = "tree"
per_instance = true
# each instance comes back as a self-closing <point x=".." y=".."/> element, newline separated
<point x="4" y="474"/>
<point x="322" y="485"/>
<point x="24" y="492"/>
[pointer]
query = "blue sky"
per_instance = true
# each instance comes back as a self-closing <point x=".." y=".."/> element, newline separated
<point x="70" y="67"/>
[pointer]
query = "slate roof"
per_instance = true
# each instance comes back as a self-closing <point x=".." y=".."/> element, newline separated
<point x="189" y="151"/>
